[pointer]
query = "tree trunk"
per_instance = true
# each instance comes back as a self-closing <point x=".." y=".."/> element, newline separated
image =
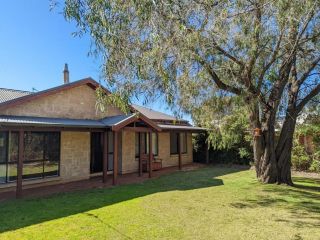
<point x="272" y="158"/>
<point x="265" y="145"/>
<point x="273" y="162"/>
<point x="283" y="150"/>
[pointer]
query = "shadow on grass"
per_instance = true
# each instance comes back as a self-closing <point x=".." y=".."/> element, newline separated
<point x="301" y="200"/>
<point x="16" y="214"/>
<point x="304" y="184"/>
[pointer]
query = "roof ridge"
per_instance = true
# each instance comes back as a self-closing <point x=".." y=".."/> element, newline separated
<point x="151" y="109"/>
<point x="157" y="111"/>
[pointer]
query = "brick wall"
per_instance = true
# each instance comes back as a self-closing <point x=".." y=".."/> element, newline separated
<point x="131" y="164"/>
<point x="78" y="103"/>
<point x="169" y="160"/>
<point x="75" y="155"/>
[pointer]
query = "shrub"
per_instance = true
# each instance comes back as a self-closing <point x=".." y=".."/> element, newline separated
<point x="315" y="165"/>
<point x="300" y="159"/>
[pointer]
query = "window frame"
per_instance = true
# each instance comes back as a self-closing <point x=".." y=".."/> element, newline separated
<point x="44" y="150"/>
<point x="178" y="139"/>
<point x="44" y="174"/>
<point x="146" y="143"/>
<point x="186" y="142"/>
<point x="8" y="161"/>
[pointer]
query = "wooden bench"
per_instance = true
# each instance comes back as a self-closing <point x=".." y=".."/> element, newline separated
<point x="156" y="164"/>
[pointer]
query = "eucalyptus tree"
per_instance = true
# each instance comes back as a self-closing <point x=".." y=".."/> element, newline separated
<point x="197" y="53"/>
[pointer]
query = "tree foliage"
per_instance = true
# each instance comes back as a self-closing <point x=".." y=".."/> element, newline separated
<point x="200" y="54"/>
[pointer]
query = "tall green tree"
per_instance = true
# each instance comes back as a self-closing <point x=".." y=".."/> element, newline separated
<point x="196" y="53"/>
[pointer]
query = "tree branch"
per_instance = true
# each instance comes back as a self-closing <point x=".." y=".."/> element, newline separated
<point x="256" y="41"/>
<point x="307" y="73"/>
<point x="307" y="98"/>
<point x="228" y="55"/>
<point x="215" y="77"/>
<point x="273" y="59"/>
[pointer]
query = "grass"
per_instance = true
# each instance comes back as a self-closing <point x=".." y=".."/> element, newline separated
<point x="208" y="203"/>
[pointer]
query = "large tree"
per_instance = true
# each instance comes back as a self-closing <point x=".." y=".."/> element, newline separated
<point x="264" y="53"/>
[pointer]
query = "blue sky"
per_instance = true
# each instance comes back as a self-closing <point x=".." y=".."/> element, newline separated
<point x="36" y="42"/>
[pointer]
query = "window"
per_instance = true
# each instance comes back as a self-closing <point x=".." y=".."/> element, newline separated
<point x="174" y="142"/>
<point x="8" y="156"/>
<point x="174" y="137"/>
<point x="184" y="142"/>
<point x="41" y="155"/>
<point x="145" y="143"/>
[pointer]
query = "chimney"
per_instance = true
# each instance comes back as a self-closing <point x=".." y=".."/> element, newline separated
<point x="66" y="74"/>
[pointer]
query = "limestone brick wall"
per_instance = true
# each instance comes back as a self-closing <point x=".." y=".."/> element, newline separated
<point x="75" y="156"/>
<point x="169" y="160"/>
<point x="129" y="162"/>
<point x="78" y="103"/>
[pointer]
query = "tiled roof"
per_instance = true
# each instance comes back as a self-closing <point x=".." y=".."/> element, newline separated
<point x="10" y="94"/>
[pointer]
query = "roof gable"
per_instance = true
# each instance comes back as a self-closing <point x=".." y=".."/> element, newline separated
<point x="156" y="115"/>
<point x="14" y="98"/>
<point x="76" y="100"/>
<point x="32" y="96"/>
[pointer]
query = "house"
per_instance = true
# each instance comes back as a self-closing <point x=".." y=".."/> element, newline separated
<point x="57" y="136"/>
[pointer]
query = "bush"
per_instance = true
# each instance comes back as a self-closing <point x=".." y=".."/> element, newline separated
<point x="241" y="154"/>
<point x="300" y="159"/>
<point x="315" y="166"/>
<point x="229" y="156"/>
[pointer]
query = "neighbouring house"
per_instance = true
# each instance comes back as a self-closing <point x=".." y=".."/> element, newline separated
<point x="57" y="136"/>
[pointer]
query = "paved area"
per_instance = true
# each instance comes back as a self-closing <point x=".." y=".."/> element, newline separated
<point x="95" y="182"/>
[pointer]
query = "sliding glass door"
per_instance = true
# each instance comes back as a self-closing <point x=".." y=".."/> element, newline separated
<point x="41" y="155"/>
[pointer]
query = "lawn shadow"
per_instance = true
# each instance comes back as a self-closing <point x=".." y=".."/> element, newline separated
<point x="301" y="200"/>
<point x="16" y="214"/>
<point x="304" y="183"/>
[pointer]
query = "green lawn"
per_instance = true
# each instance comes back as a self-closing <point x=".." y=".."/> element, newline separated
<point x="208" y="203"/>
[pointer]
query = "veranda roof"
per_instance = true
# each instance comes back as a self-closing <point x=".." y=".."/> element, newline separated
<point x="49" y="122"/>
<point x="113" y="122"/>
<point x="181" y="127"/>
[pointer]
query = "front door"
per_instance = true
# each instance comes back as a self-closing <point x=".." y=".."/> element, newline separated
<point x="96" y="163"/>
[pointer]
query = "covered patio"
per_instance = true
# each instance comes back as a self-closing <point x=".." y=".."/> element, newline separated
<point x="92" y="183"/>
<point x="108" y="127"/>
<point x="109" y="131"/>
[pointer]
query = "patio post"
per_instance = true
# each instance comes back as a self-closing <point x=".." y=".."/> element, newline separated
<point x="140" y="155"/>
<point x="179" y="149"/>
<point x="105" y="156"/>
<point x="207" y="152"/>
<point x="115" y="157"/>
<point x="150" y="154"/>
<point x="20" y="164"/>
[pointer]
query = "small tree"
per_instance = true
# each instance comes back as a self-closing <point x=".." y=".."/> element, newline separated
<point x="196" y="53"/>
